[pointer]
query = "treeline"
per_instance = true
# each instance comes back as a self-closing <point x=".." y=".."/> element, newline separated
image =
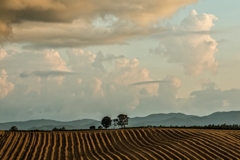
<point x="121" y="120"/>
<point x="210" y="126"/>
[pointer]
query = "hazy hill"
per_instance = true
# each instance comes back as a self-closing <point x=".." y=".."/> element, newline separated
<point x="174" y="119"/>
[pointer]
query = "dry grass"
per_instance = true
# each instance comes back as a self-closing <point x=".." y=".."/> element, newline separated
<point x="143" y="143"/>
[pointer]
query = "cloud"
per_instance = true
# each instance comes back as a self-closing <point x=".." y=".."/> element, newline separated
<point x="23" y="20"/>
<point x="147" y="82"/>
<point x="5" y="86"/>
<point x="194" y="52"/>
<point x="3" y="54"/>
<point x="96" y="91"/>
<point x="45" y="74"/>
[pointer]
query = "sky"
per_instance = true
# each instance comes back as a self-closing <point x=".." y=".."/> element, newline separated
<point x="75" y="59"/>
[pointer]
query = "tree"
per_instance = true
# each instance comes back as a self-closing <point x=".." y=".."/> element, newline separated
<point x="106" y="122"/>
<point x="115" y="122"/>
<point x="122" y="120"/>
<point x="54" y="129"/>
<point x="13" y="128"/>
<point x="92" y="127"/>
<point x="99" y="127"/>
<point x="63" y="128"/>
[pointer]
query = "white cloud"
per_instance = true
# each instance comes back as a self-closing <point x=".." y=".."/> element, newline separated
<point x="95" y="91"/>
<point x="3" y="54"/>
<point x="5" y="86"/>
<point x="194" y="52"/>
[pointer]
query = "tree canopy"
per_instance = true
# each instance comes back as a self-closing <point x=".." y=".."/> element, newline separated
<point x="106" y="122"/>
<point x="122" y="120"/>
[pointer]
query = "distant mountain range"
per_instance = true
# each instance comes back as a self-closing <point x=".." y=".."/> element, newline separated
<point x="179" y="119"/>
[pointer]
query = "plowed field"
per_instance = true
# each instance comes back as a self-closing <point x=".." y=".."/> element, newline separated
<point x="145" y="143"/>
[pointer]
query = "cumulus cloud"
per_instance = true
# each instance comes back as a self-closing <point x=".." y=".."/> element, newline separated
<point x="96" y="91"/>
<point x="166" y="99"/>
<point x="5" y="86"/>
<point x="54" y="20"/>
<point x="195" y="52"/>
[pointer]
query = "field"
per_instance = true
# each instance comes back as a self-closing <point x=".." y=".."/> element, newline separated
<point x="142" y="143"/>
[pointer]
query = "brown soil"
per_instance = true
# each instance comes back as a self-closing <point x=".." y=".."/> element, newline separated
<point x="121" y="144"/>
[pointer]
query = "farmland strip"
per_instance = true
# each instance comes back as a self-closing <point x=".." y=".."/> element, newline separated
<point x="146" y="133"/>
<point x="13" y="144"/>
<point x="31" y="147"/>
<point x="38" y="146"/>
<point x="72" y="147"/>
<point x="9" y="137"/>
<point x="224" y="150"/>
<point x="120" y="146"/>
<point x="89" y="147"/>
<point x="47" y="148"/>
<point x="137" y="149"/>
<point x="125" y="146"/>
<point x="22" y="146"/>
<point x="140" y="143"/>
<point x="53" y="151"/>
<point x="153" y="146"/>
<point x="109" y="143"/>
<point x="80" y="151"/>
<point x="42" y="146"/>
<point x="100" y="147"/>
<point x="65" y="146"/>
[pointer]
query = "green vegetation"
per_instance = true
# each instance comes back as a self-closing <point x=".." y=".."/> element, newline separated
<point x="106" y="122"/>
<point x="13" y="128"/>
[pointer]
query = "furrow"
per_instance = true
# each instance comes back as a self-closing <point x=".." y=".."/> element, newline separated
<point x="53" y="150"/>
<point x="47" y="148"/>
<point x="194" y="148"/>
<point x="22" y="147"/>
<point x="227" y="142"/>
<point x="79" y="150"/>
<point x="28" y="146"/>
<point x="114" y="150"/>
<point x="13" y="144"/>
<point x="59" y="140"/>
<point x="153" y="146"/>
<point x="187" y="149"/>
<point x="163" y="144"/>
<point x="38" y="146"/>
<point x="7" y="143"/>
<point x="3" y="140"/>
<point x="85" y="148"/>
<point x="137" y="149"/>
<point x="100" y="147"/>
<point x="203" y="147"/>
<point x="90" y="148"/>
<point x="224" y="150"/>
<point x="97" y="150"/>
<point x="17" y="148"/>
<point x="175" y="144"/>
<point x="42" y="146"/>
<point x="207" y="148"/>
<point x="125" y="146"/>
<point x="72" y="147"/>
<point x="120" y="146"/>
<point x="138" y="142"/>
<point x="31" y="147"/>
<point x="63" y="144"/>
<point x="66" y="144"/>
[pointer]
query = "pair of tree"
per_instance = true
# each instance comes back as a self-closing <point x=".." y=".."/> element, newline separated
<point x="121" y="120"/>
